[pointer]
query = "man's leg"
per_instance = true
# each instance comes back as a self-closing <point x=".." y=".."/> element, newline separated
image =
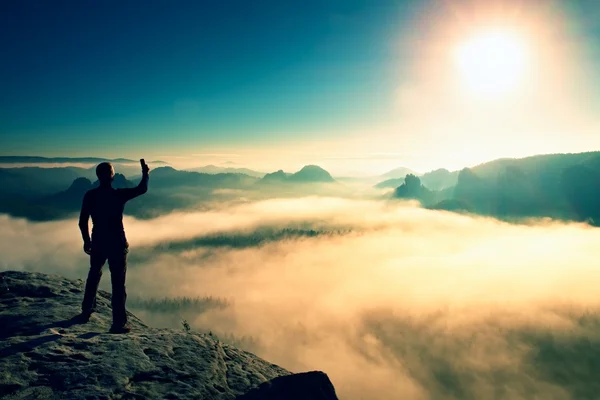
<point x="97" y="261"/>
<point x="117" y="262"/>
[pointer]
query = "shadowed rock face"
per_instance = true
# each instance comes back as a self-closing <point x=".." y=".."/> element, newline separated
<point x="45" y="353"/>
<point x="309" y="385"/>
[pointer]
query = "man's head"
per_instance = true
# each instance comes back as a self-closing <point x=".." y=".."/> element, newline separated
<point x="105" y="172"/>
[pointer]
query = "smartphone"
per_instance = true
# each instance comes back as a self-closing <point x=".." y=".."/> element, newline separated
<point x="142" y="162"/>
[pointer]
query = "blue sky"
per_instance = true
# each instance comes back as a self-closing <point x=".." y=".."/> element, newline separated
<point x="115" y="78"/>
<point x="230" y="70"/>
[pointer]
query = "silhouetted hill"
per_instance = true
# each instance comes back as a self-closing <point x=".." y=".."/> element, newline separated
<point x="70" y="199"/>
<point x="592" y="162"/>
<point x="539" y="164"/>
<point x="80" y="185"/>
<point x="311" y="174"/>
<point x="66" y="202"/>
<point x="308" y="174"/>
<point x="36" y="181"/>
<point x="439" y="179"/>
<point x="413" y="189"/>
<point x="168" y="177"/>
<point x="170" y="190"/>
<point x="61" y="204"/>
<point x="32" y="182"/>
<point x="581" y="187"/>
<point x="559" y="186"/>
<point x="46" y="354"/>
<point x="213" y="169"/>
<point x="473" y="189"/>
<point x="42" y="181"/>
<point x="119" y="182"/>
<point x="398" y="173"/>
<point x="275" y="177"/>
<point x="564" y="186"/>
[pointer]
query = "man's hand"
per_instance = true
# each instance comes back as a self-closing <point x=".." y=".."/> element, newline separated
<point x="145" y="168"/>
<point x="87" y="248"/>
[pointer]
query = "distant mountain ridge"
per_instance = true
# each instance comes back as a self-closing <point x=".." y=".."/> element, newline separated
<point x="398" y="173"/>
<point x="71" y="198"/>
<point x="275" y="177"/>
<point x="166" y="177"/>
<point x="564" y="186"/>
<point x="43" y="194"/>
<point x="213" y="169"/>
<point x="34" y="181"/>
<point x="438" y="179"/>
<point x="61" y="160"/>
<point x="312" y="173"/>
<point x="561" y="186"/>
<point x="308" y="174"/>
<point x="535" y="163"/>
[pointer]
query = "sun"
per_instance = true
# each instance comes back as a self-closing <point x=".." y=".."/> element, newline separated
<point x="492" y="63"/>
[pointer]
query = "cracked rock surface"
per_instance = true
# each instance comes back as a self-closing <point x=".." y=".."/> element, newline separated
<point x="46" y="354"/>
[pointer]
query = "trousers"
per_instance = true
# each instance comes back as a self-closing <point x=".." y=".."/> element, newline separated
<point x="117" y="262"/>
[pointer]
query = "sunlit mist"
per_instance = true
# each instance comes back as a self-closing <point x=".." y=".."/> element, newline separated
<point x="492" y="80"/>
<point x="389" y="299"/>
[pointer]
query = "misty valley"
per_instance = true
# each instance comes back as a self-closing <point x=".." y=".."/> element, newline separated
<point x="557" y="186"/>
<point x="478" y="283"/>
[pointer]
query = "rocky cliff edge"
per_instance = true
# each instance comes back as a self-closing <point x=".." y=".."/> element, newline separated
<point x="46" y="354"/>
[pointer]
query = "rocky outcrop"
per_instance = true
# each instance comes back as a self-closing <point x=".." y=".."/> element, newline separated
<point x="274" y="177"/>
<point x="307" y="175"/>
<point x="45" y="354"/>
<point x="309" y="385"/>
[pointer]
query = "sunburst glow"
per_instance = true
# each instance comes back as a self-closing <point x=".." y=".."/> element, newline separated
<point x="492" y="63"/>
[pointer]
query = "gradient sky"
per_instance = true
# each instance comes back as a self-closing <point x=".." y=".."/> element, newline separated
<point x="313" y="81"/>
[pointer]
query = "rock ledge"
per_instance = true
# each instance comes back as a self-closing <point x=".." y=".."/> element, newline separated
<point x="45" y="354"/>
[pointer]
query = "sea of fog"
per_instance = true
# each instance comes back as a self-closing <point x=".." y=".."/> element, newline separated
<point x="390" y="300"/>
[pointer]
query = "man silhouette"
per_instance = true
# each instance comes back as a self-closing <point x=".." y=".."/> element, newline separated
<point x="108" y="242"/>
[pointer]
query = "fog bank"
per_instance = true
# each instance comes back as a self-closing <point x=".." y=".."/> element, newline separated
<point x="392" y="301"/>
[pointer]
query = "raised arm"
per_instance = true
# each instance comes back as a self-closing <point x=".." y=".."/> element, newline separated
<point x="84" y="226"/>
<point x="141" y="188"/>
